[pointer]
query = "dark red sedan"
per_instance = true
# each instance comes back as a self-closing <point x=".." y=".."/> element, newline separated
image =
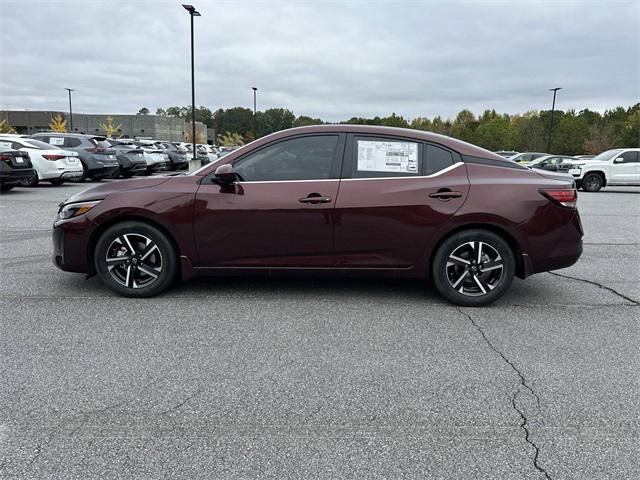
<point x="345" y="199"/>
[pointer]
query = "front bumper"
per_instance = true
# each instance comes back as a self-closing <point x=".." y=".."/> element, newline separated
<point x="70" y="244"/>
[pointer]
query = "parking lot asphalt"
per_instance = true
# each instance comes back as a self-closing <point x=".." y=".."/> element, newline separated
<point x="307" y="378"/>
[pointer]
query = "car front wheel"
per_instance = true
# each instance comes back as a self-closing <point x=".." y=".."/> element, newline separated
<point x="473" y="268"/>
<point x="135" y="259"/>
<point x="592" y="182"/>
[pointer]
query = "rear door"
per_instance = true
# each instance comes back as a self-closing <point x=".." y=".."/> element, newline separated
<point x="394" y="194"/>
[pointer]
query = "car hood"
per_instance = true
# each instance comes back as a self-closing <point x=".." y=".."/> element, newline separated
<point x="101" y="191"/>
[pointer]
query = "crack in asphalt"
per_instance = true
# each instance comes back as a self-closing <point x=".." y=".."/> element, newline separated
<point x="40" y="446"/>
<point x="599" y="285"/>
<point x="524" y="424"/>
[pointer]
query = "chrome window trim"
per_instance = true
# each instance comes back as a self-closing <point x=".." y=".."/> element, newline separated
<point x="407" y="177"/>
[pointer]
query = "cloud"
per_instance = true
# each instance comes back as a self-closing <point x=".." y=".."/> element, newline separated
<point x="326" y="59"/>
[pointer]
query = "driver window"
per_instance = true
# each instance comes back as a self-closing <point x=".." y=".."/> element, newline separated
<point x="629" y="157"/>
<point x="304" y="158"/>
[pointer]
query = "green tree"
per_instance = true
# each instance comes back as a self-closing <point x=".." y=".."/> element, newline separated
<point x="303" y="121"/>
<point x="161" y="112"/>
<point x="629" y="136"/>
<point x="143" y="111"/>
<point x="570" y="134"/>
<point x="464" y="126"/>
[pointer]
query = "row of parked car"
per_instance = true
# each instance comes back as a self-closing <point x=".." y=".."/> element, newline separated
<point x="616" y="167"/>
<point x="59" y="157"/>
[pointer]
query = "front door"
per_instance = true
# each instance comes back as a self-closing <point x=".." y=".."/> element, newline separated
<point x="626" y="168"/>
<point x="279" y="213"/>
<point x="395" y="193"/>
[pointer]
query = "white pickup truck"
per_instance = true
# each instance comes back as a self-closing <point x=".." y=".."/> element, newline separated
<point x="616" y="167"/>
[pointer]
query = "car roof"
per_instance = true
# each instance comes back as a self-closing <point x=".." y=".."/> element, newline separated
<point x="459" y="146"/>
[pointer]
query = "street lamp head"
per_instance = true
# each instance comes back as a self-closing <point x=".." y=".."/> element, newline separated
<point x="70" y="89"/>
<point x="555" y="89"/>
<point x="254" y="89"/>
<point x="191" y="9"/>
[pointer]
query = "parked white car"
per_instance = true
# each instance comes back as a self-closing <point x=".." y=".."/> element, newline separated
<point x="618" y="167"/>
<point x="51" y="163"/>
<point x="157" y="160"/>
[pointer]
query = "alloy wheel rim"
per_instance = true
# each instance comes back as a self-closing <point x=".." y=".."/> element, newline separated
<point x="134" y="261"/>
<point x="474" y="269"/>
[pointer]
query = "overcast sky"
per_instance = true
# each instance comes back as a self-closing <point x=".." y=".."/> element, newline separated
<point x="328" y="59"/>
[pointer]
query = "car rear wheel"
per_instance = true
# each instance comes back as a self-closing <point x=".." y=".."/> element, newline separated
<point x="56" y="181"/>
<point x="135" y="259"/>
<point x="31" y="181"/>
<point x="473" y="268"/>
<point x="592" y="182"/>
<point x="6" y="188"/>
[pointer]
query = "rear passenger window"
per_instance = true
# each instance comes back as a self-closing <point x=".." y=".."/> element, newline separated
<point x="438" y="159"/>
<point x="72" y="142"/>
<point x="379" y="158"/>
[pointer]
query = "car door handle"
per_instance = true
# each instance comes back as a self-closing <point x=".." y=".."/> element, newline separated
<point x="315" y="199"/>
<point x="445" y="194"/>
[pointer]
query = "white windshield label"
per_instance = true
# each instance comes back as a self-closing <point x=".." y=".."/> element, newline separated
<point x="377" y="156"/>
<point x="56" y="141"/>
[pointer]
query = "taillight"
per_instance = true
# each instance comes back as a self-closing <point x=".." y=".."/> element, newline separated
<point x="566" y="197"/>
<point x="53" y="158"/>
<point x="5" y="157"/>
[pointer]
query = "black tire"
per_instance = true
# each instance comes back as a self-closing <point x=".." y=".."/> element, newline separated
<point x="96" y="179"/>
<point x="31" y="181"/>
<point x="479" y="286"/>
<point x="6" y="188"/>
<point x="126" y="175"/>
<point x="592" y="182"/>
<point x="83" y="178"/>
<point x="117" y="242"/>
<point x="56" y="181"/>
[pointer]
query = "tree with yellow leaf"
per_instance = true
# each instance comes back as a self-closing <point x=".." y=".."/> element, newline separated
<point x="230" y="139"/>
<point x="5" y="127"/>
<point x="58" y="124"/>
<point x="109" y="127"/>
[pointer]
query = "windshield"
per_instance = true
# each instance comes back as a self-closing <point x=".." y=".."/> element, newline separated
<point x="608" y="155"/>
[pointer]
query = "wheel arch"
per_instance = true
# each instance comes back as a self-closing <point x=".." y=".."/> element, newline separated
<point x="95" y="235"/>
<point x="503" y="233"/>
<point x="601" y="173"/>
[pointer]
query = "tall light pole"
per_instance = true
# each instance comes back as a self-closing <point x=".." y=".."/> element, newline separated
<point x="255" y="89"/>
<point x="553" y="108"/>
<point x="192" y="13"/>
<point x="70" y="110"/>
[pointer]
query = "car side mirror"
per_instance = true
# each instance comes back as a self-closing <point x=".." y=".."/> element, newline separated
<point x="618" y="160"/>
<point x="224" y="175"/>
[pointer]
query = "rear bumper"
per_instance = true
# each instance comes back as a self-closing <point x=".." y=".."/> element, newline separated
<point x="102" y="172"/>
<point x="15" y="176"/>
<point x="158" y="167"/>
<point x="566" y="251"/>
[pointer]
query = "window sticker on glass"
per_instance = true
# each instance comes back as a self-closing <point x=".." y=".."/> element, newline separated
<point x="377" y="156"/>
<point x="56" y="141"/>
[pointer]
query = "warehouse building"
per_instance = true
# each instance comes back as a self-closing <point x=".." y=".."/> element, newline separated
<point x="128" y="126"/>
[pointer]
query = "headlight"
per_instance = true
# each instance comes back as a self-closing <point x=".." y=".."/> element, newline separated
<point x="72" y="210"/>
